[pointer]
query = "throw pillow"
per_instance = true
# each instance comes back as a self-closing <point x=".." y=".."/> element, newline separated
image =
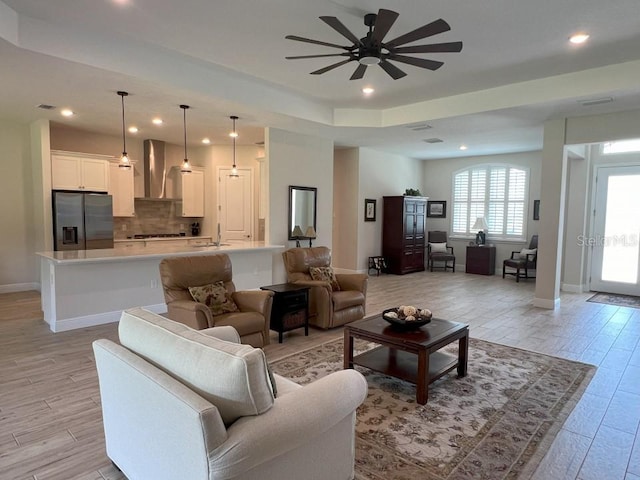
<point x="215" y="297"/>
<point x="438" y="247"/>
<point x="525" y="251"/>
<point x="325" y="274"/>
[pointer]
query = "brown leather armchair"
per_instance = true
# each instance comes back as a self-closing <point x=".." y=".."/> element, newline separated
<point x="327" y="308"/>
<point x="177" y="274"/>
<point x="526" y="262"/>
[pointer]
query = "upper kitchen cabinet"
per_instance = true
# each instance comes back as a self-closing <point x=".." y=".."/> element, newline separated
<point x="121" y="189"/>
<point x="71" y="171"/>
<point x="190" y="188"/>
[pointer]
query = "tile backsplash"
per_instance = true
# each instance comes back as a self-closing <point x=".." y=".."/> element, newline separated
<point x="153" y="216"/>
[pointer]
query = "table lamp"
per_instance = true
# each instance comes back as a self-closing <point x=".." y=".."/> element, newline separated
<point x="481" y="226"/>
<point x="310" y="234"/>
<point x="297" y="234"/>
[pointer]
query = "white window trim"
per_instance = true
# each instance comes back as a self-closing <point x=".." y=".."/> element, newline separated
<point x="493" y="237"/>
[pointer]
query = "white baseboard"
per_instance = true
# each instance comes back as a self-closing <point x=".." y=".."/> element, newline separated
<point x="546" y="303"/>
<point x="20" y="287"/>
<point x="98" y="319"/>
<point x="568" y="287"/>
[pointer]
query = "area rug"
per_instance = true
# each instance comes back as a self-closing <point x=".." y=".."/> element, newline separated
<point x="617" y="300"/>
<point x="496" y="423"/>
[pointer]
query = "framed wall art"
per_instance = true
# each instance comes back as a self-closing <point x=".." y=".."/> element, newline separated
<point x="536" y="209"/>
<point x="437" y="209"/>
<point x="369" y="210"/>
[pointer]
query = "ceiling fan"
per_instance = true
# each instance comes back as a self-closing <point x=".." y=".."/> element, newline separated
<point x="372" y="49"/>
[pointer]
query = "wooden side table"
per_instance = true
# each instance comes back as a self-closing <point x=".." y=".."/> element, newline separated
<point x="481" y="260"/>
<point x="290" y="308"/>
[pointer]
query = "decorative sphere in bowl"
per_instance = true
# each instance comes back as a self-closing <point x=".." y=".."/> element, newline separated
<point x="407" y="317"/>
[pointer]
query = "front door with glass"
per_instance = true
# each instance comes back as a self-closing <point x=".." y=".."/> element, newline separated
<point x="615" y="243"/>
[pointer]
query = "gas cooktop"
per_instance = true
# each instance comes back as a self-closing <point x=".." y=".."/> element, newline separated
<point x="159" y="235"/>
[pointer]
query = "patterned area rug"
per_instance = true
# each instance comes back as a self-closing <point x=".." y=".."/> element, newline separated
<point x="617" y="300"/>
<point x="496" y="423"/>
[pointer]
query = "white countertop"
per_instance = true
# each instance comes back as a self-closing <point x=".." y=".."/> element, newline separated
<point x="161" y="239"/>
<point x="159" y="250"/>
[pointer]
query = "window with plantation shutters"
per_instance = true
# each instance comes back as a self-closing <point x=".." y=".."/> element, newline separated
<point x="496" y="192"/>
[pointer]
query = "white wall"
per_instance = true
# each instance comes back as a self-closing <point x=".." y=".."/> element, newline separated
<point x="438" y="180"/>
<point x="306" y="161"/>
<point x="18" y="265"/>
<point x="382" y="174"/>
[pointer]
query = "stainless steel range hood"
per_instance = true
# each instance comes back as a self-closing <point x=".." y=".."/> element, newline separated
<point x="155" y="170"/>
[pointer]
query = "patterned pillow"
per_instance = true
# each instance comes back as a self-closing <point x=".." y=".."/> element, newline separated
<point x="215" y="297"/>
<point x="325" y="274"/>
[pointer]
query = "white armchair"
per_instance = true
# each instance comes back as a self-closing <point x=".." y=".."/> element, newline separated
<point x="173" y="407"/>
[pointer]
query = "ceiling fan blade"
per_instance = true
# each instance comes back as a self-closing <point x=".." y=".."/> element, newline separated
<point x="433" y="28"/>
<point x="315" y="42"/>
<point x="433" y="48"/>
<point x="331" y="67"/>
<point x="337" y="25"/>
<point x="384" y="22"/>
<point x="393" y="71"/>
<point x="418" y="62"/>
<point x="318" y="56"/>
<point x="359" y="72"/>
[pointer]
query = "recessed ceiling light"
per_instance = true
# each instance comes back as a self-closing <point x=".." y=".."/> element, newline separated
<point x="157" y="121"/>
<point x="133" y="129"/>
<point x="463" y="147"/>
<point x="368" y="90"/>
<point x="579" y="38"/>
<point x="66" y="112"/>
<point x="206" y="141"/>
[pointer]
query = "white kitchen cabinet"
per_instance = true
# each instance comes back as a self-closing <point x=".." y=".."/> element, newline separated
<point x="121" y="189"/>
<point x="190" y="188"/>
<point x="77" y="172"/>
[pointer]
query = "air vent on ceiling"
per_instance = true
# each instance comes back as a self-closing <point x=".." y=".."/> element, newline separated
<point x="433" y="140"/>
<point x="595" y="101"/>
<point x="417" y="127"/>
<point x="260" y="143"/>
<point x="44" y="106"/>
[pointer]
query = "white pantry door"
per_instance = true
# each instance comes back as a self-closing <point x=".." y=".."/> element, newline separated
<point x="235" y="204"/>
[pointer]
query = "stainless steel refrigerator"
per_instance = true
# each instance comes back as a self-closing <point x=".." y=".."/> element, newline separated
<point x="82" y="221"/>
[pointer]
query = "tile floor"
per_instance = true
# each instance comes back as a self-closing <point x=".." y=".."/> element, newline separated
<point x="50" y="427"/>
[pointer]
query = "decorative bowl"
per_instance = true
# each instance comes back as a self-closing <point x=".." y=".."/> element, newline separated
<point x="397" y="319"/>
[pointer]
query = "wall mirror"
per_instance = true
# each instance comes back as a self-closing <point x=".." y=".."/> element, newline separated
<point x="302" y="209"/>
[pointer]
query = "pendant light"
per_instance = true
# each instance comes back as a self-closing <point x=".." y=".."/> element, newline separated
<point x="186" y="167"/>
<point x="234" y="135"/>
<point x="125" y="163"/>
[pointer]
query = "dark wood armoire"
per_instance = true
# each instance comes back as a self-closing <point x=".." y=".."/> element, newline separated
<point x="403" y="233"/>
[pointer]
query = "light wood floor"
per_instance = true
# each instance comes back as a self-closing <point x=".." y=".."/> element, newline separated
<point x="50" y="419"/>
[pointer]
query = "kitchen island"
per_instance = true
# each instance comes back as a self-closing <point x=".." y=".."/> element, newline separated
<point x="82" y="288"/>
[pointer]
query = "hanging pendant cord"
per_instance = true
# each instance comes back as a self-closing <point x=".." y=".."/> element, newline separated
<point x="184" y="120"/>
<point x="124" y="138"/>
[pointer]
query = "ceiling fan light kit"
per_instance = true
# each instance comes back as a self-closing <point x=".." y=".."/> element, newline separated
<point x="373" y="50"/>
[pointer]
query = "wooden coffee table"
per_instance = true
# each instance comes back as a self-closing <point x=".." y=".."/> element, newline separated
<point x="410" y="355"/>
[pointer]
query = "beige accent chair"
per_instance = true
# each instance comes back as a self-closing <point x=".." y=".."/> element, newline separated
<point x="327" y="308"/>
<point x="177" y="274"/>
<point x="179" y="403"/>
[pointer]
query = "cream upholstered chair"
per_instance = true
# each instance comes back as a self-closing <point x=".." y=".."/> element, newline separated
<point x="328" y="307"/>
<point x="177" y="274"/>
<point x="179" y="403"/>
